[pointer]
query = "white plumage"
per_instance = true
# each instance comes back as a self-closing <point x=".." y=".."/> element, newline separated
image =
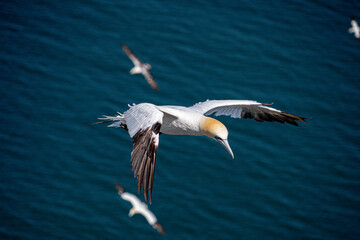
<point x="146" y="121"/>
<point x="139" y="208"/>
<point x="355" y="29"/>
<point x="140" y="67"/>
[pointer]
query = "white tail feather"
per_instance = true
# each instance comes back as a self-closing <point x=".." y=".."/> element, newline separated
<point x="118" y="120"/>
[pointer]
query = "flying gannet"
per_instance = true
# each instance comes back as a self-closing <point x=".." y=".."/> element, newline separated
<point x="140" y="67"/>
<point x="146" y="121"/>
<point x="140" y="208"/>
<point x="355" y="29"/>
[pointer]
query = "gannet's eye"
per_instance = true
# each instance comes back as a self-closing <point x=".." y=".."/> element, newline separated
<point x="217" y="138"/>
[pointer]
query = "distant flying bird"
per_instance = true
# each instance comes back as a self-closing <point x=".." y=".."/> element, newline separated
<point x="146" y="121"/>
<point x="140" y="208"/>
<point x="140" y="67"/>
<point x="355" y="29"/>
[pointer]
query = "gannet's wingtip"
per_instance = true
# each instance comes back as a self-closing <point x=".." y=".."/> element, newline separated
<point x="158" y="227"/>
<point x="119" y="188"/>
<point x="101" y="122"/>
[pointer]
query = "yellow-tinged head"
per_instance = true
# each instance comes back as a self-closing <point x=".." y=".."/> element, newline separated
<point x="132" y="212"/>
<point x="216" y="130"/>
<point x="212" y="127"/>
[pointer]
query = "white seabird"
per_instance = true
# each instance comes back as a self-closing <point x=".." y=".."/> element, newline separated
<point x="140" y="208"/>
<point x="355" y="29"/>
<point x="146" y="121"/>
<point x="140" y="67"/>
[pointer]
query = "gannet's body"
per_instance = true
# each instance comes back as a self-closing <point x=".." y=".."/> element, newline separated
<point x="355" y="29"/>
<point x="139" y="208"/>
<point x="146" y="121"/>
<point x="185" y="121"/>
<point x="140" y="67"/>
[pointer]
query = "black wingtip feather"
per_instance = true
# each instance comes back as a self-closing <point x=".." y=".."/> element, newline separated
<point x="143" y="158"/>
<point x="119" y="188"/>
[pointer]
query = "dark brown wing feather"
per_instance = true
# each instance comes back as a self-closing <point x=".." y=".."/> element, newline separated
<point x="158" y="227"/>
<point x="149" y="78"/>
<point x="143" y="158"/>
<point x="272" y="116"/>
<point x="119" y="188"/>
<point x="246" y="109"/>
<point x="131" y="55"/>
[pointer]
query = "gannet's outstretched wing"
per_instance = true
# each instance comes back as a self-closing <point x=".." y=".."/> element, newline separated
<point x="136" y="61"/>
<point x="135" y="201"/>
<point x="140" y="208"/>
<point x="246" y="109"/>
<point x="355" y="28"/>
<point x="149" y="78"/>
<point x="150" y="217"/>
<point x="144" y="122"/>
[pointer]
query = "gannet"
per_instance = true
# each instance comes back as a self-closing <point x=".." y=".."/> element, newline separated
<point x="355" y="29"/>
<point x="140" y="208"/>
<point x="140" y="67"/>
<point x="144" y="123"/>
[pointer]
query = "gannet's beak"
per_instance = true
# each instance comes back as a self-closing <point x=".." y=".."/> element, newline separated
<point x="226" y="145"/>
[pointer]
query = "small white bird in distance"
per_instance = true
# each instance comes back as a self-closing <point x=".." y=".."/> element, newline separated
<point x="139" y="208"/>
<point x="146" y="121"/>
<point x="140" y="67"/>
<point x="355" y="29"/>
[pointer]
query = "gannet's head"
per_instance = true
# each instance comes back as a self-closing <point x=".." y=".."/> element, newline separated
<point x="216" y="130"/>
<point x="132" y="212"/>
<point x="147" y="66"/>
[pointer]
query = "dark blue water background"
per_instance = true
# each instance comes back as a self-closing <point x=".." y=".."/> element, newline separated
<point x="62" y="66"/>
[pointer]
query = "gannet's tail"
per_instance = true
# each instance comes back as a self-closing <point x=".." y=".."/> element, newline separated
<point x="118" y="121"/>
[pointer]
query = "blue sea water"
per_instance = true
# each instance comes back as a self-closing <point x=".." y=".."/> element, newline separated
<point x="62" y="66"/>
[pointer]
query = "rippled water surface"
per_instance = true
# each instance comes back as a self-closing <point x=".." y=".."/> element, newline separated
<point x="62" y="66"/>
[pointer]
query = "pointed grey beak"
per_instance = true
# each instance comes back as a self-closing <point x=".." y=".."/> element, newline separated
<point x="226" y="145"/>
